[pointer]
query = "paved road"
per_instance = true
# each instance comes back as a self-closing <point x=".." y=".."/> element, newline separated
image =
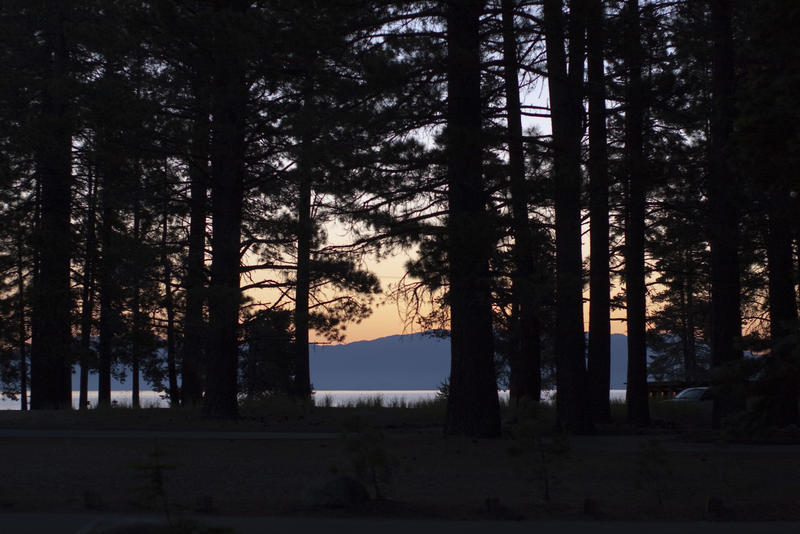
<point x="118" y="524"/>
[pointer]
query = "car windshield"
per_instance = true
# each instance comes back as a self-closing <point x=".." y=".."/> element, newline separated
<point x="690" y="394"/>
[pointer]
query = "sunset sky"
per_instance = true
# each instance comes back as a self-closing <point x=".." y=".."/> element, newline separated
<point x="387" y="320"/>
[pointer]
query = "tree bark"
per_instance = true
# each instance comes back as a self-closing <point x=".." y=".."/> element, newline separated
<point x="169" y="308"/>
<point x="525" y="381"/>
<point x="229" y="102"/>
<point x="107" y="277"/>
<point x="195" y="282"/>
<point x="136" y="304"/>
<point x="782" y="306"/>
<point x="472" y="407"/>
<point x="22" y="331"/>
<point x="726" y="329"/>
<point x="302" y="373"/>
<point x="136" y="350"/>
<point x="52" y="302"/>
<point x="566" y="103"/>
<point x="635" y="288"/>
<point x="110" y="170"/>
<point x="87" y="291"/>
<point x="690" y="347"/>
<point x="599" y="277"/>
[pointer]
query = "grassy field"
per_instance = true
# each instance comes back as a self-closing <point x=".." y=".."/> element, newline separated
<point x="677" y="469"/>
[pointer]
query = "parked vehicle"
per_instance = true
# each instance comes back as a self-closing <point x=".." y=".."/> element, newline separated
<point x="694" y="395"/>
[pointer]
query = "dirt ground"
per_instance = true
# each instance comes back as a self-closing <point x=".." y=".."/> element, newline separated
<point x="174" y="461"/>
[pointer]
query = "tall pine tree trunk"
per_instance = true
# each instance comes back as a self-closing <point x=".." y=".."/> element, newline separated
<point x="726" y="329"/>
<point x="599" y="278"/>
<point x="782" y="306"/>
<point x="169" y="307"/>
<point x="136" y="349"/>
<point x="21" y="329"/>
<point x="87" y="291"/>
<point x="472" y="404"/>
<point x="136" y="304"/>
<point x="690" y="347"/>
<point x="110" y="171"/>
<point x="635" y="288"/>
<point x="52" y="302"/>
<point x="194" y="325"/>
<point x="108" y="281"/>
<point x="566" y="103"/>
<point x="302" y="374"/>
<point x="525" y="382"/>
<point x="229" y="102"/>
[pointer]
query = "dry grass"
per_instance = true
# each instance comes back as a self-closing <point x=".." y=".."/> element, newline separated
<point x="625" y="474"/>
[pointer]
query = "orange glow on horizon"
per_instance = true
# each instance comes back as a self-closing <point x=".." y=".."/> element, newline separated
<point x="387" y="320"/>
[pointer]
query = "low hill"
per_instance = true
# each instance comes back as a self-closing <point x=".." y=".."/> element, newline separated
<point x="410" y="361"/>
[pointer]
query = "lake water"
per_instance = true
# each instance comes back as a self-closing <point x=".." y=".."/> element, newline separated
<point x="152" y="399"/>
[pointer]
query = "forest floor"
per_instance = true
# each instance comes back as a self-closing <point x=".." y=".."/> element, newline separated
<point x="275" y="459"/>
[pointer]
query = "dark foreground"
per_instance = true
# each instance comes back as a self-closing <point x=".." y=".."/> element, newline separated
<point x="278" y="463"/>
<point x="104" y="523"/>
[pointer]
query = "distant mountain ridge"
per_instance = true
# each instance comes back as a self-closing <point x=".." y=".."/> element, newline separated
<point x="410" y="361"/>
<point x="406" y="361"/>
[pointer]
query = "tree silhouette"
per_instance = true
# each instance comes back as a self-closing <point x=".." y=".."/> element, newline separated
<point x="52" y="303"/>
<point x="472" y="405"/>
<point x="565" y="80"/>
<point x="130" y="130"/>
<point x="229" y="111"/>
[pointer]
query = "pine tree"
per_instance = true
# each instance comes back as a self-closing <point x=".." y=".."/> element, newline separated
<point x="678" y="100"/>
<point x="766" y="139"/>
<point x="566" y="96"/>
<point x="51" y="356"/>
<point x="726" y="319"/>
<point x="472" y="404"/>
<point x="599" y="365"/>
<point x="229" y="110"/>
<point x="635" y="288"/>
<point x="525" y="359"/>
